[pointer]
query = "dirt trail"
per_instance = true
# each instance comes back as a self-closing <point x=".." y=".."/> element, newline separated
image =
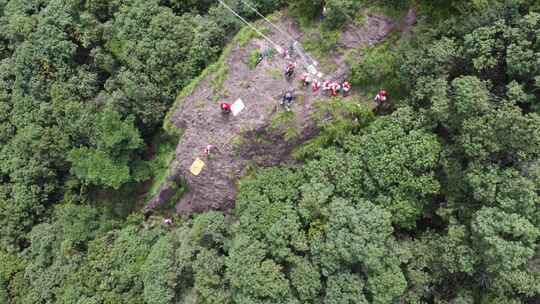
<point x="260" y="89"/>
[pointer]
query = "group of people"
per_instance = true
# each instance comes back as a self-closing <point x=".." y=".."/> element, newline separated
<point x="333" y="87"/>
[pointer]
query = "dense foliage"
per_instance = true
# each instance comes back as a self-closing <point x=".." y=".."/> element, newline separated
<point x="84" y="85"/>
<point x="436" y="202"/>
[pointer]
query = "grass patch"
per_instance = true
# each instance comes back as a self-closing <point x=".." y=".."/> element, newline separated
<point x="259" y="139"/>
<point x="199" y="103"/>
<point x="269" y="54"/>
<point x="320" y="43"/>
<point x="378" y="68"/>
<point x="159" y="166"/>
<point x="253" y="59"/>
<point x="360" y="18"/>
<point x="179" y="189"/>
<point x="238" y="142"/>
<point x="285" y="122"/>
<point x="396" y="9"/>
<point x="219" y="77"/>
<point x="282" y="118"/>
<point x="245" y="35"/>
<point x="274" y="73"/>
<point x="300" y="100"/>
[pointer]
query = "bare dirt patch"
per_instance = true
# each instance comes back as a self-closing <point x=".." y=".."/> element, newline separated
<point x="251" y="138"/>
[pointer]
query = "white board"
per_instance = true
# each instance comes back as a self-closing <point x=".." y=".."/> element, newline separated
<point x="312" y="70"/>
<point x="237" y="107"/>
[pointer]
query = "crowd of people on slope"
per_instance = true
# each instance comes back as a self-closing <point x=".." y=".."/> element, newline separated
<point x="332" y="88"/>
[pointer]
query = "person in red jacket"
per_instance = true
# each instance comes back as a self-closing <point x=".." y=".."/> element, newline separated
<point x="346" y="87"/>
<point x="225" y="107"/>
<point x="381" y="97"/>
<point x="335" y="87"/>
<point x="315" y="85"/>
<point x="305" y="79"/>
<point x="289" y="70"/>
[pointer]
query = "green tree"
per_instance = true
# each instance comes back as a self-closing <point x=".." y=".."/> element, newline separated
<point x="306" y="9"/>
<point x="107" y="162"/>
<point x="158" y="272"/>
<point x="252" y="276"/>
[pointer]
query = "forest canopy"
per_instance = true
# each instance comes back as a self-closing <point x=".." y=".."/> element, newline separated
<point x="436" y="201"/>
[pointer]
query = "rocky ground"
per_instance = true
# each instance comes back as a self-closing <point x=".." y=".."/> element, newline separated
<point x="248" y="139"/>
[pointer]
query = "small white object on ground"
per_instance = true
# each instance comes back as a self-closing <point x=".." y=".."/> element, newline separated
<point x="237" y="107"/>
<point x="312" y="69"/>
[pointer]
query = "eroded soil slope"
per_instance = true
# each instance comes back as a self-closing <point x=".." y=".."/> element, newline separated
<point x="247" y="138"/>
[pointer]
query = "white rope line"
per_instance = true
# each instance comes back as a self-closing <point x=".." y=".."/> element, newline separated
<point x="276" y="46"/>
<point x="305" y="64"/>
<point x="306" y="58"/>
<point x="273" y="25"/>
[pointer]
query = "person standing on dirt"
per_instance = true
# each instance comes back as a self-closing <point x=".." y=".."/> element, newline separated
<point x="326" y="86"/>
<point x="305" y="79"/>
<point x="259" y="59"/>
<point x="315" y="86"/>
<point x="287" y="100"/>
<point x="380" y="97"/>
<point x="335" y="87"/>
<point x="289" y="70"/>
<point x="346" y="87"/>
<point x="225" y="108"/>
<point x="210" y="149"/>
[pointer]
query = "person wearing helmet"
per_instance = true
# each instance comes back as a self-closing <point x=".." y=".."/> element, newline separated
<point x="289" y="70"/>
<point x="335" y="88"/>
<point x="287" y="99"/>
<point x="225" y="108"/>
<point x="305" y="79"/>
<point x="381" y="97"/>
<point x="315" y="85"/>
<point x="326" y="86"/>
<point x="346" y="86"/>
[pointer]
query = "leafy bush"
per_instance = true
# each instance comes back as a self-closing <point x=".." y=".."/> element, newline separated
<point x="337" y="119"/>
<point x="306" y="10"/>
<point x="253" y="59"/>
<point x="377" y="69"/>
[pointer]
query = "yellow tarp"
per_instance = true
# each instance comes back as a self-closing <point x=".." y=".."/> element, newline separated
<point x="197" y="167"/>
